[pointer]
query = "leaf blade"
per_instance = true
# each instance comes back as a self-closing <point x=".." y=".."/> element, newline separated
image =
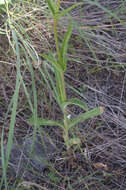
<point x="64" y="12"/>
<point x="89" y="114"/>
<point x="64" y="47"/>
<point x="75" y="101"/>
<point x="51" y="6"/>
<point x="43" y="122"/>
<point x="50" y="58"/>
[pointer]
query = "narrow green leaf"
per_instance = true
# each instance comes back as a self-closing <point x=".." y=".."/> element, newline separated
<point x="13" y="114"/>
<point x="15" y="98"/>
<point x="51" y="6"/>
<point x="50" y="58"/>
<point x="89" y="114"/>
<point x="64" y="12"/>
<point x="63" y="56"/>
<point x="42" y="121"/>
<point x="76" y="102"/>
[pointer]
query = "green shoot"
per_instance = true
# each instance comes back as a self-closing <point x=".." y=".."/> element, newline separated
<point x="59" y="64"/>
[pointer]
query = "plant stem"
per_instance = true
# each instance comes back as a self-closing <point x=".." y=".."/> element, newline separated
<point x="57" y="6"/>
<point x="60" y="82"/>
<point x="62" y="97"/>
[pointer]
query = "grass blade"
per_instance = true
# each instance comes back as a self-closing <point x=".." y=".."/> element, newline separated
<point x="13" y="115"/>
<point x="15" y="99"/>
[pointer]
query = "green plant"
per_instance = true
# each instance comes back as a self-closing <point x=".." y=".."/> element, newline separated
<point x="59" y="64"/>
